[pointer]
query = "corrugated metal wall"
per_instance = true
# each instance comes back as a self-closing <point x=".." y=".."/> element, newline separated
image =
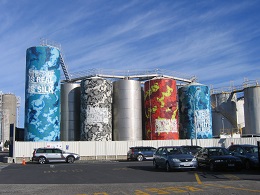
<point x="119" y="148"/>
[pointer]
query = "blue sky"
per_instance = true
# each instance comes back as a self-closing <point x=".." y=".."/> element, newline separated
<point x="217" y="41"/>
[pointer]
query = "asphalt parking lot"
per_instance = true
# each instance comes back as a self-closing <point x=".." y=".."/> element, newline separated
<point x="121" y="177"/>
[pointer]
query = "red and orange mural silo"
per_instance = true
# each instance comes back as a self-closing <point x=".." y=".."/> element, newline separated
<point x="161" y="109"/>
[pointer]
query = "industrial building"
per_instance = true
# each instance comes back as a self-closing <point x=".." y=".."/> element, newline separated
<point x="109" y="105"/>
<point x="9" y="113"/>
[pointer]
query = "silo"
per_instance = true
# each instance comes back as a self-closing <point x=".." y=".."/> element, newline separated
<point x="9" y="113"/>
<point x="240" y="115"/>
<point x="252" y="110"/>
<point x="42" y="94"/>
<point x="161" y="109"/>
<point x="96" y="109"/>
<point x="70" y="112"/>
<point x="127" y="110"/>
<point x="195" y="112"/>
<point x="224" y="114"/>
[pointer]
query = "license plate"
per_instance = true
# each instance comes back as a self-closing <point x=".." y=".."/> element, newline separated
<point x="231" y="165"/>
<point x="186" y="164"/>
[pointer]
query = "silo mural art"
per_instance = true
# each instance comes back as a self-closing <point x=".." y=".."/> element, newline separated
<point x="42" y="94"/>
<point x="195" y="112"/>
<point x="161" y="109"/>
<point x="96" y="109"/>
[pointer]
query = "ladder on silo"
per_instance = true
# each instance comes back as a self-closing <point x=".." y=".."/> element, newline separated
<point x="45" y="42"/>
<point x="64" y="68"/>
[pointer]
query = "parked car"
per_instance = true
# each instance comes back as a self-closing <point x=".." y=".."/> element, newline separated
<point x="247" y="153"/>
<point x="218" y="158"/>
<point x="192" y="149"/>
<point x="44" y="155"/>
<point x="173" y="157"/>
<point x="140" y="153"/>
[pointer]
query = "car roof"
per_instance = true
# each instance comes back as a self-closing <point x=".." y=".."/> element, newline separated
<point x="244" y="145"/>
<point x="192" y="146"/>
<point x="170" y="147"/>
<point x="141" y="147"/>
<point x="47" y="148"/>
<point x="214" y="147"/>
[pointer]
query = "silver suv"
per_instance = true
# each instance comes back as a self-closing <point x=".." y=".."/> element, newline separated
<point x="44" y="155"/>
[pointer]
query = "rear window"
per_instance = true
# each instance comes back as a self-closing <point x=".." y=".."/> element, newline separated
<point x="40" y="151"/>
<point x="144" y="149"/>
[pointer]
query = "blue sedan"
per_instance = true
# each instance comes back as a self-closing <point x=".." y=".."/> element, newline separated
<point x="173" y="157"/>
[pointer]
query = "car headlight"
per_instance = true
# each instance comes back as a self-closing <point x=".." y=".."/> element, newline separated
<point x="176" y="160"/>
<point x="217" y="161"/>
<point x="194" y="160"/>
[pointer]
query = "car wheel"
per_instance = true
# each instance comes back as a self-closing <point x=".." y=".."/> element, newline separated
<point x="211" y="166"/>
<point x="140" y="157"/>
<point x="155" y="165"/>
<point x="42" y="160"/>
<point x="247" y="165"/>
<point x="70" y="159"/>
<point x="168" y="167"/>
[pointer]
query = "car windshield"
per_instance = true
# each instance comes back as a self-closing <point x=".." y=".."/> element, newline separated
<point x="174" y="150"/>
<point x="218" y="151"/>
<point x="252" y="150"/>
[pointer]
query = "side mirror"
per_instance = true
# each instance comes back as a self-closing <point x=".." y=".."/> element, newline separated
<point x="164" y="153"/>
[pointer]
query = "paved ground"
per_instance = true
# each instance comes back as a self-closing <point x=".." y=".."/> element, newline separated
<point x="121" y="178"/>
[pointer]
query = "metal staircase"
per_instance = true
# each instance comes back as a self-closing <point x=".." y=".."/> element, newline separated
<point x="45" y="42"/>
<point x="64" y="68"/>
<point x="220" y="110"/>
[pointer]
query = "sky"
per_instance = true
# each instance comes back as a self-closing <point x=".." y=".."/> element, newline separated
<point x="218" y="41"/>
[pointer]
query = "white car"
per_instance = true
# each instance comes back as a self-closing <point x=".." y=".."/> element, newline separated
<point x="44" y="155"/>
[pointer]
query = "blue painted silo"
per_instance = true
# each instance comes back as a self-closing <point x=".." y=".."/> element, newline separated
<point x="42" y="94"/>
<point x="195" y="112"/>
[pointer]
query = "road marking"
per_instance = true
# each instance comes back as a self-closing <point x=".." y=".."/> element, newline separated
<point x="231" y="187"/>
<point x="197" y="178"/>
<point x="231" y="177"/>
<point x="2" y="166"/>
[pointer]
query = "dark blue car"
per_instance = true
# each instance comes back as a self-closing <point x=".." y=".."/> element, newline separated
<point x="247" y="153"/>
<point x="218" y="158"/>
<point x="140" y="153"/>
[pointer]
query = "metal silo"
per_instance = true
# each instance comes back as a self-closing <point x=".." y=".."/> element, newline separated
<point x="42" y="94"/>
<point x="252" y="110"/>
<point x="195" y="112"/>
<point x="9" y="113"/>
<point x="70" y="112"/>
<point x="127" y="111"/>
<point x="161" y="109"/>
<point x="96" y="109"/>
<point x="224" y="114"/>
<point x="240" y="115"/>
